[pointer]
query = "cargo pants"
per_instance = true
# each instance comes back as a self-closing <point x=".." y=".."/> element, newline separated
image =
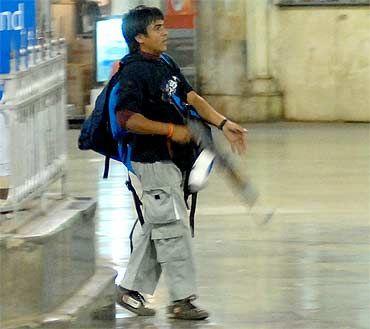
<point x="163" y="243"/>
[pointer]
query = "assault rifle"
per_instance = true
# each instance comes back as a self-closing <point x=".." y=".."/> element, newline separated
<point x="201" y="134"/>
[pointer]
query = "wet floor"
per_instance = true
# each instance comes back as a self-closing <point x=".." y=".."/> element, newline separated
<point x="308" y="267"/>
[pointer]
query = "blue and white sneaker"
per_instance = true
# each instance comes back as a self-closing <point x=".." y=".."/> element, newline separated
<point x="133" y="301"/>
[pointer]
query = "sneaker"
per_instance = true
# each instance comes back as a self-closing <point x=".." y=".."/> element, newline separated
<point x="133" y="301"/>
<point x="185" y="310"/>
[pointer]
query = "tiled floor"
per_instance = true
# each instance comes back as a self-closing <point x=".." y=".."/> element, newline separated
<point x="309" y="267"/>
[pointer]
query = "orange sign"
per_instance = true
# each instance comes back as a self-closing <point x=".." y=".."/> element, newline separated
<point x="180" y="14"/>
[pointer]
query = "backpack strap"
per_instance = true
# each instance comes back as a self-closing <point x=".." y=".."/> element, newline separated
<point x="113" y="80"/>
<point x="137" y="201"/>
<point x="167" y="59"/>
<point x="194" y="197"/>
<point x="132" y="235"/>
<point x="138" y="205"/>
<point x="106" y="167"/>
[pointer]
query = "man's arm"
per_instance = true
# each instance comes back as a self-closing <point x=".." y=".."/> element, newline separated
<point x="204" y="109"/>
<point x="235" y="134"/>
<point x="137" y="123"/>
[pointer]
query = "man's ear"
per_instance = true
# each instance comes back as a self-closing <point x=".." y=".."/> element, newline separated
<point x="139" y="38"/>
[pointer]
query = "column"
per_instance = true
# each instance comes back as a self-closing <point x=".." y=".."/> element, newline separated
<point x="265" y="97"/>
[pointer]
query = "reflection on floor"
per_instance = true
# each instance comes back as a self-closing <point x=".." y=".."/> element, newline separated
<point x="309" y="267"/>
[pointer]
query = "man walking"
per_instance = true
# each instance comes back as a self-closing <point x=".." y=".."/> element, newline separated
<point x="163" y="243"/>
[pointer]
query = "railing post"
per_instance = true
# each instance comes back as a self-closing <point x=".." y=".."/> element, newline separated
<point x="32" y="132"/>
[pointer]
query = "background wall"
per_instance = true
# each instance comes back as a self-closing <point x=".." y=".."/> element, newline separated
<point x="119" y="6"/>
<point x="232" y="60"/>
<point x="321" y="59"/>
<point x="222" y="47"/>
<point x="250" y="52"/>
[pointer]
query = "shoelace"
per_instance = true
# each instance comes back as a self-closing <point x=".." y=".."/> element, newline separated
<point x="192" y="298"/>
<point x="139" y="296"/>
<point x="188" y="302"/>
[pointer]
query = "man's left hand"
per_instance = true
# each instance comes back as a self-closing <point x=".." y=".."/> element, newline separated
<point x="237" y="137"/>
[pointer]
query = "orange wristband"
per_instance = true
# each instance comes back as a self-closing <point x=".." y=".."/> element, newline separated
<point x="171" y="129"/>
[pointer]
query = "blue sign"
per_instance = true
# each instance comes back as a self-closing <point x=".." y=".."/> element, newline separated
<point x="17" y="20"/>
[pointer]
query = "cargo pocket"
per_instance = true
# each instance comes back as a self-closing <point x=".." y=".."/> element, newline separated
<point x="159" y="205"/>
<point x="169" y="241"/>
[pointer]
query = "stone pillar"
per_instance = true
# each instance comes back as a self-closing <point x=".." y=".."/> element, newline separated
<point x="221" y="58"/>
<point x="222" y="47"/>
<point x="264" y="96"/>
<point x="233" y="59"/>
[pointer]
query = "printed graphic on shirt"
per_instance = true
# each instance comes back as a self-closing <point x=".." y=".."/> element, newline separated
<point x="170" y="88"/>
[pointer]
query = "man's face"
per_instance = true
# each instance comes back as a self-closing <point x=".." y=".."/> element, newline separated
<point x="155" y="42"/>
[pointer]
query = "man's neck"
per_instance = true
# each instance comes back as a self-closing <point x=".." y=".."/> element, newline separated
<point x="149" y="55"/>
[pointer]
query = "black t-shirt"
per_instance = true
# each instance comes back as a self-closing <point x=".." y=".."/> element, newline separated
<point x="140" y="90"/>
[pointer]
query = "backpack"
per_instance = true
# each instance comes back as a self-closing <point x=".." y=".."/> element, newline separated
<point x="96" y="134"/>
<point x="96" y="131"/>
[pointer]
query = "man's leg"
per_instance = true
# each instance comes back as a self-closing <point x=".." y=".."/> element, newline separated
<point x="142" y="274"/>
<point x="174" y="253"/>
<point x="165" y="210"/>
<point x="143" y="271"/>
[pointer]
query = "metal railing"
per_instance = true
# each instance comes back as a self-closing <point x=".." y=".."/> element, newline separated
<point x="32" y="127"/>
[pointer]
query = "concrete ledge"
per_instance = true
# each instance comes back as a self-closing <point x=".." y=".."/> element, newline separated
<point x="94" y="301"/>
<point x="47" y="260"/>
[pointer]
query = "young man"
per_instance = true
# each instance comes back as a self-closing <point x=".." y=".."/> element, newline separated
<point x="164" y="242"/>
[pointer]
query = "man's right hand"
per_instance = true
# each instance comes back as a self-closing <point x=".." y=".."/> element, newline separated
<point x="139" y="124"/>
<point x="181" y="134"/>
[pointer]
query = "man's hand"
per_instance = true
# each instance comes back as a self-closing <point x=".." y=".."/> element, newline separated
<point x="236" y="135"/>
<point x="181" y="134"/>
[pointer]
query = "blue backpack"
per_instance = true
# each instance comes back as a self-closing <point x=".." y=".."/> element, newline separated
<point x="101" y="133"/>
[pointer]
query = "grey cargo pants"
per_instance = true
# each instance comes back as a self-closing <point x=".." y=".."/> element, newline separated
<point x="163" y="243"/>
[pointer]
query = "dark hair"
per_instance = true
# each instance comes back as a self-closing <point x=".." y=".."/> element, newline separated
<point x="136" y="22"/>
